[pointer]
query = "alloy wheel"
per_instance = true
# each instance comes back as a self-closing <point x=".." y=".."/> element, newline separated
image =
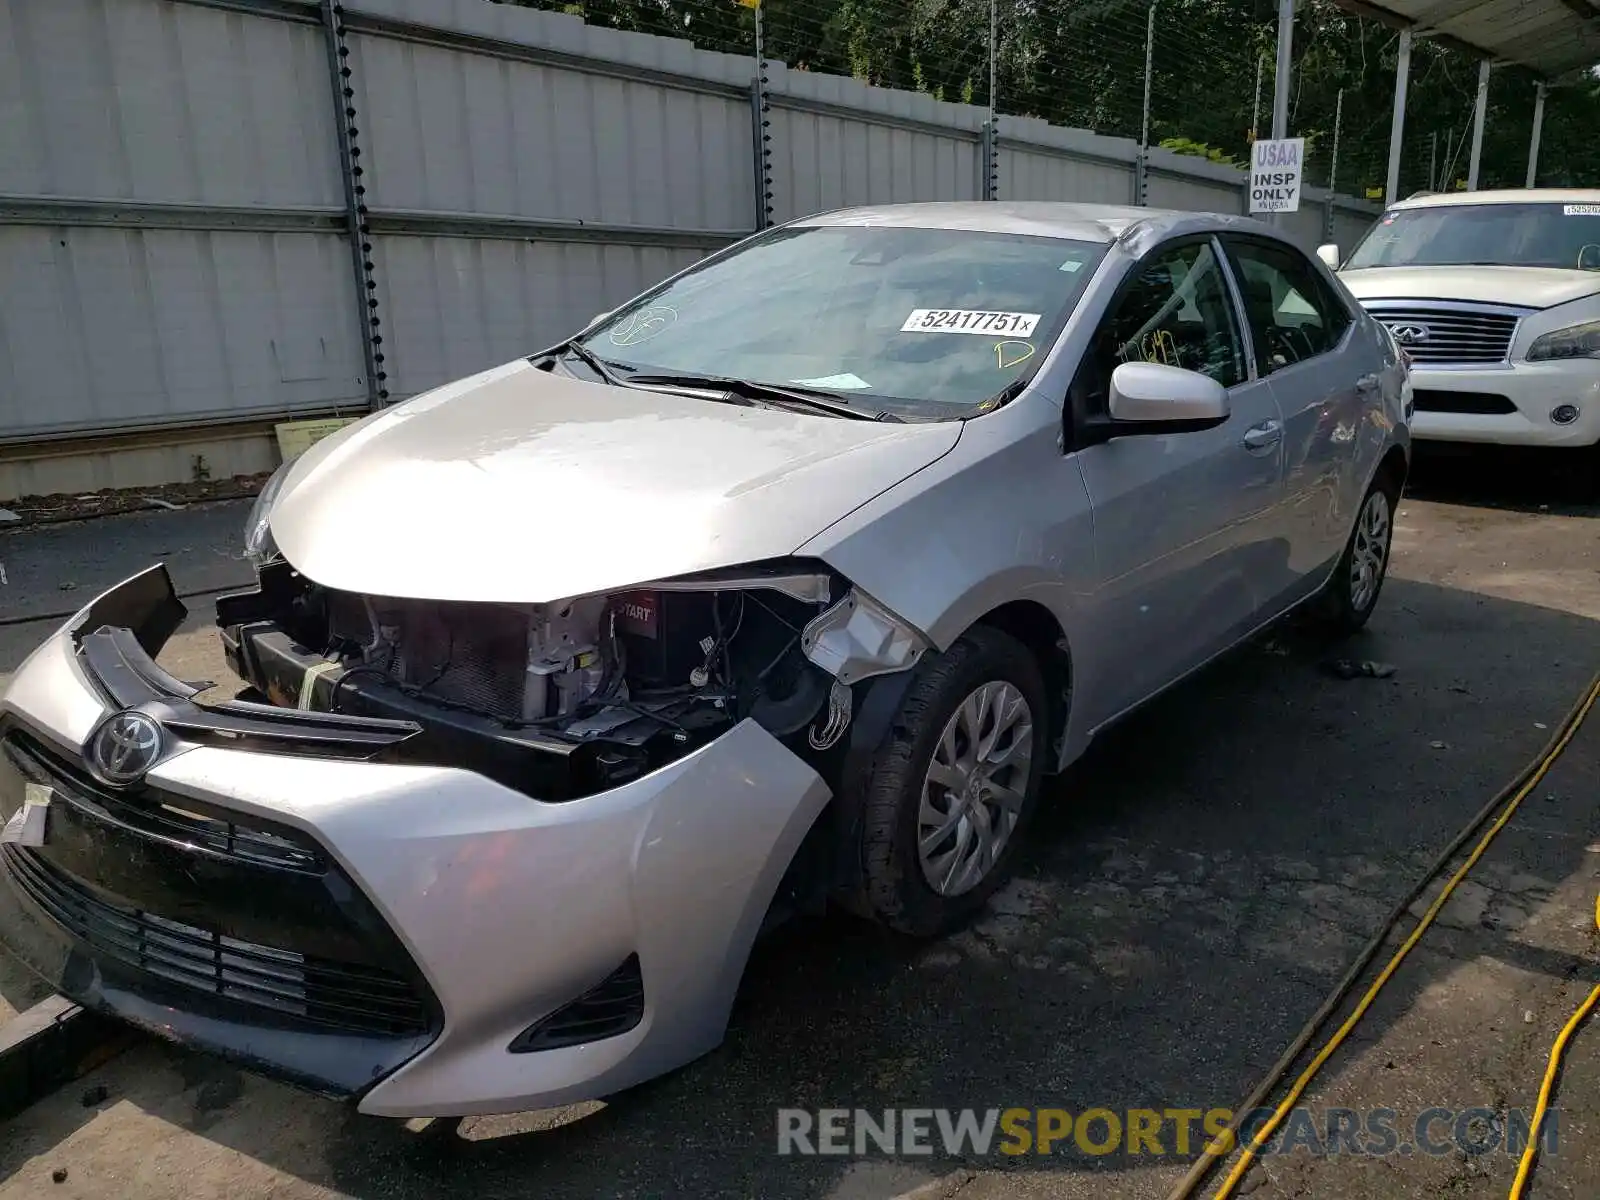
<point x="975" y="788"/>
<point x="1369" y="553"/>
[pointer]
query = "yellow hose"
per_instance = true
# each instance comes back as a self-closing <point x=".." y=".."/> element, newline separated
<point x="1262" y="1135"/>
<point x="1530" y="1152"/>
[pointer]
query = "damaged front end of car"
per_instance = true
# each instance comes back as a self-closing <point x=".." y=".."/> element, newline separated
<point x="567" y="699"/>
<point x="402" y="790"/>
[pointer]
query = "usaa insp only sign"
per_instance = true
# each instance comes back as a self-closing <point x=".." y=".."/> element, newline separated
<point x="1276" y="168"/>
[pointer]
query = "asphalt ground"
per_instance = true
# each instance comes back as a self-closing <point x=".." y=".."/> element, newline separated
<point x="1195" y="888"/>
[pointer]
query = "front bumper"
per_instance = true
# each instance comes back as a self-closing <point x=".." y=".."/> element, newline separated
<point x="1507" y="405"/>
<point x="496" y="910"/>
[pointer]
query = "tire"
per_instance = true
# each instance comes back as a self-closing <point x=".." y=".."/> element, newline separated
<point x="1347" y="601"/>
<point x="983" y="673"/>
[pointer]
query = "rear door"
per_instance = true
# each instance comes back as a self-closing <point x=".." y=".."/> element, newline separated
<point x="1182" y="521"/>
<point x="1323" y="376"/>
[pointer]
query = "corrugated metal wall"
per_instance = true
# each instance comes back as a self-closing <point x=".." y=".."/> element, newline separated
<point x="173" y="212"/>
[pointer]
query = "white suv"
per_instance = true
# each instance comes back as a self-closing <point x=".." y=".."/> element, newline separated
<point x="1495" y="297"/>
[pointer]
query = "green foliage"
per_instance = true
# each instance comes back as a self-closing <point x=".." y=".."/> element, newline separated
<point x="1182" y="145"/>
<point x="1081" y="63"/>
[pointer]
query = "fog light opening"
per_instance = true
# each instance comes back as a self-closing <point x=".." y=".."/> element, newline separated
<point x="1564" y="414"/>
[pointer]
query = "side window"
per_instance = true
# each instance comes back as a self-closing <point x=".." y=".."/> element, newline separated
<point x="1293" y="314"/>
<point x="1175" y="311"/>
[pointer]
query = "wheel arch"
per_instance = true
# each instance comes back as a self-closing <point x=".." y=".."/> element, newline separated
<point x="1037" y="628"/>
<point x="1395" y="464"/>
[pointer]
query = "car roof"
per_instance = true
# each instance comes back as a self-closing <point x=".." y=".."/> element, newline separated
<point x="1103" y="223"/>
<point x="1504" y="196"/>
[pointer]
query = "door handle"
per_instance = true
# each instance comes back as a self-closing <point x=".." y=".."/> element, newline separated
<point x="1368" y="383"/>
<point x="1262" y="436"/>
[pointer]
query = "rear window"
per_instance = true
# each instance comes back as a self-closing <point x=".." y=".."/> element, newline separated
<point x="1509" y="235"/>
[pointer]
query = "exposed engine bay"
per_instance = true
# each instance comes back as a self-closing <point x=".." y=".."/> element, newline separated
<point x="565" y="699"/>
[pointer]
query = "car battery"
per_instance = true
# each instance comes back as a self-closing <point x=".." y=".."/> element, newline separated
<point x="662" y="635"/>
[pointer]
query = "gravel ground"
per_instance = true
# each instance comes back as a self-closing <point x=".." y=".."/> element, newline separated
<point x="1199" y="884"/>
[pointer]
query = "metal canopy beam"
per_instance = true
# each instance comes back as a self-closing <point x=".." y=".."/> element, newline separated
<point x="1549" y="37"/>
<point x="1533" y="138"/>
<point x="1479" y="112"/>
<point x="1397" y="125"/>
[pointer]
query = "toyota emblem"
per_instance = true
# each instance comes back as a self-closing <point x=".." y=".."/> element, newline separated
<point x="125" y="747"/>
<point x="1409" y="335"/>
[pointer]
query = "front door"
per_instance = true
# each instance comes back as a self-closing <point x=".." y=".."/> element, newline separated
<point x="1183" y="522"/>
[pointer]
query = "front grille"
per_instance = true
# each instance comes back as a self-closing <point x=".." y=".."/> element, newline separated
<point x="1456" y="336"/>
<point x="1481" y="404"/>
<point x="151" y="811"/>
<point x="471" y="655"/>
<point x="345" y="996"/>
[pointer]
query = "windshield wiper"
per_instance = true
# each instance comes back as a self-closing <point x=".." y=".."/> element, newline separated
<point x="812" y="398"/>
<point x="593" y="361"/>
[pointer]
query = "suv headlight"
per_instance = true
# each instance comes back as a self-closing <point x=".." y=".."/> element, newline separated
<point x="259" y="547"/>
<point x="1575" y="341"/>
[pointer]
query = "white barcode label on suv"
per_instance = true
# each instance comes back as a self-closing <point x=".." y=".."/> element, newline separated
<point x="1581" y="210"/>
<point x="970" y="320"/>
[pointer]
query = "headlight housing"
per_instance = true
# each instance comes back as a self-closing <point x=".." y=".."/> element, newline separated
<point x="259" y="547"/>
<point x="1575" y="341"/>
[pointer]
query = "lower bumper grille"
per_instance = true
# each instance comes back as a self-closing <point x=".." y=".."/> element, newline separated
<point x="355" y="998"/>
<point x="1482" y="404"/>
<point x="609" y="1009"/>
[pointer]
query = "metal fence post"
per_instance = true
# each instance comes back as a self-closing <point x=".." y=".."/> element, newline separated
<point x="761" y="130"/>
<point x="990" y="189"/>
<point x="1333" y="167"/>
<point x="989" y="161"/>
<point x="1141" y="166"/>
<point x="1255" y="105"/>
<point x="340" y="77"/>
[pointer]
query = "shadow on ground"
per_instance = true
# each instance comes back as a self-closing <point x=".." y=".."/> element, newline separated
<point x="1518" y="479"/>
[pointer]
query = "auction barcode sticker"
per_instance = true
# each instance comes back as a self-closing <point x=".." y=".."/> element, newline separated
<point x="970" y="320"/>
<point x="1581" y="210"/>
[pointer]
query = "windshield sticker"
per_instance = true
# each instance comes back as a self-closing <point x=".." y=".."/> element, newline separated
<point x="643" y="325"/>
<point x="1011" y="354"/>
<point x="847" y="381"/>
<point x="1072" y="266"/>
<point x="1581" y="210"/>
<point x="969" y="320"/>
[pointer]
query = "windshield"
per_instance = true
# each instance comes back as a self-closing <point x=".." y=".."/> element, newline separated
<point x="1510" y="235"/>
<point x="916" y="322"/>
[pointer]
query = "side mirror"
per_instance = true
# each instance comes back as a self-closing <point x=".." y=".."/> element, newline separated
<point x="1154" y="398"/>
<point x="1329" y="254"/>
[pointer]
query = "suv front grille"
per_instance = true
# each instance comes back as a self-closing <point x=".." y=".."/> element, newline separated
<point x="1459" y="335"/>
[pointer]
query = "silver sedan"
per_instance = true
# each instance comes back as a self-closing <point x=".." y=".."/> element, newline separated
<point x="788" y="582"/>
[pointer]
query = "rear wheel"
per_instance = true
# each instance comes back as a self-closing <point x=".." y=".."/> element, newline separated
<point x="1350" y="596"/>
<point x="955" y="784"/>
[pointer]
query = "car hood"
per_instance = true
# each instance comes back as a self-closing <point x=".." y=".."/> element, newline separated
<point x="1530" y="287"/>
<point x="516" y="485"/>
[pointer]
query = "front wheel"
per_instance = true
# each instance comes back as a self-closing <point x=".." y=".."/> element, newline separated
<point x="1350" y="596"/>
<point x="953" y="787"/>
